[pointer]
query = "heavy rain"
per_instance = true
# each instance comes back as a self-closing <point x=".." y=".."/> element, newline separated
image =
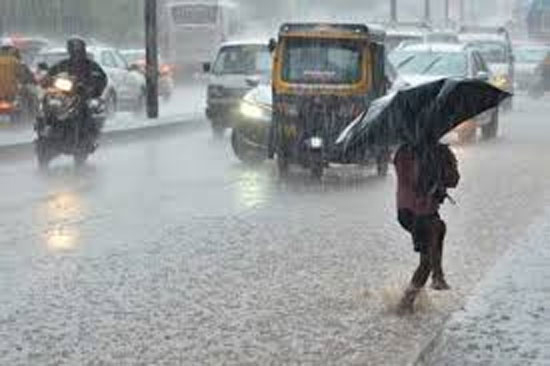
<point x="293" y="182"/>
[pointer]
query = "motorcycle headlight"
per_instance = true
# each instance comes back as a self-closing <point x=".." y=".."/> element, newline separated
<point x="254" y="111"/>
<point x="65" y="85"/>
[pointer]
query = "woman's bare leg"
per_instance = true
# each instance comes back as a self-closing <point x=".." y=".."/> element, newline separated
<point x="438" y="277"/>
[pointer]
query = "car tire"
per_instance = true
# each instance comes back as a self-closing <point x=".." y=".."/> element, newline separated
<point x="246" y="154"/>
<point x="140" y="108"/>
<point x="218" y="128"/>
<point x="490" y="130"/>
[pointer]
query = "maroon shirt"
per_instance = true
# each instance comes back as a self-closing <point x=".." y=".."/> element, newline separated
<point x="408" y="196"/>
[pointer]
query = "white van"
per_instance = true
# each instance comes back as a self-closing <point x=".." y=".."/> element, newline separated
<point x="238" y="67"/>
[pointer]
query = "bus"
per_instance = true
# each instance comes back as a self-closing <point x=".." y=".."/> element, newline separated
<point x="190" y="31"/>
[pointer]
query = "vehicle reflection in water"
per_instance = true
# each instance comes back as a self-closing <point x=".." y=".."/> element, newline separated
<point x="63" y="213"/>
<point x="252" y="189"/>
<point x="62" y="238"/>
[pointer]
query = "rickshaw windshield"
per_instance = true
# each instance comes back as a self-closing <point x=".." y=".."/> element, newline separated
<point x="322" y="61"/>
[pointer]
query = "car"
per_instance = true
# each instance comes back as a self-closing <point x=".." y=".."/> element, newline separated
<point x="427" y="62"/>
<point x="136" y="58"/>
<point x="239" y="66"/>
<point x="442" y="36"/>
<point x="403" y="33"/>
<point x="528" y="57"/>
<point x="433" y="36"/>
<point x="495" y="46"/>
<point x="126" y="88"/>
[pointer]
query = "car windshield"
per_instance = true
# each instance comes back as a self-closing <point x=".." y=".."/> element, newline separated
<point x="531" y="55"/>
<point x="430" y="63"/>
<point x="317" y="60"/>
<point x="442" y="37"/>
<point x="400" y="40"/>
<point x="243" y="60"/>
<point x="492" y="51"/>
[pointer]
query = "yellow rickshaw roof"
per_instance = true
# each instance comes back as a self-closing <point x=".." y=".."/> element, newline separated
<point x="331" y="31"/>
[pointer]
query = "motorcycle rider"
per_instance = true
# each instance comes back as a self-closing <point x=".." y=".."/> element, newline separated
<point x="90" y="77"/>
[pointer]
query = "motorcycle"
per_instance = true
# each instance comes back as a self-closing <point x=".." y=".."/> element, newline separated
<point x="68" y="123"/>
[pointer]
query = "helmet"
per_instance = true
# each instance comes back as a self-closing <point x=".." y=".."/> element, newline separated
<point x="76" y="47"/>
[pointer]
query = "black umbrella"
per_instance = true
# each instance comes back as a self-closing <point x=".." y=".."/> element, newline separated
<point x="420" y="114"/>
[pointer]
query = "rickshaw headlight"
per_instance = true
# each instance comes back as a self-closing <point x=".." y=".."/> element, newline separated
<point x="316" y="142"/>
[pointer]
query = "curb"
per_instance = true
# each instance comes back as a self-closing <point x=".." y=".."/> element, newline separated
<point x="25" y="150"/>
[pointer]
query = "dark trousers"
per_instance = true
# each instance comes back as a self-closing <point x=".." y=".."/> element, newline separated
<point x="428" y="234"/>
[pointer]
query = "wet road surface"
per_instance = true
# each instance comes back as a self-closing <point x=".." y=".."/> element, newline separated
<point x="170" y="252"/>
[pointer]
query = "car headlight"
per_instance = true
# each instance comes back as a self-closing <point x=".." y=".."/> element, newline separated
<point x="501" y="80"/>
<point x="254" y="111"/>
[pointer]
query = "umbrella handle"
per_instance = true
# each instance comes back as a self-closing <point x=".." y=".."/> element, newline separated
<point x="451" y="199"/>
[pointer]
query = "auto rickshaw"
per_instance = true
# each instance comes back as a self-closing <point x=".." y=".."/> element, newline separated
<point x="324" y="77"/>
<point x="13" y="106"/>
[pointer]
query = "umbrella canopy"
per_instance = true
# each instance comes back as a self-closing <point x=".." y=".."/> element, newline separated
<point x="420" y="114"/>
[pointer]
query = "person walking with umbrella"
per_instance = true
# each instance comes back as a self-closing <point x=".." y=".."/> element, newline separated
<point x="415" y="119"/>
<point x="424" y="173"/>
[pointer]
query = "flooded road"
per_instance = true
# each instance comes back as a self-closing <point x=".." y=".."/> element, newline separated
<point x="170" y="252"/>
